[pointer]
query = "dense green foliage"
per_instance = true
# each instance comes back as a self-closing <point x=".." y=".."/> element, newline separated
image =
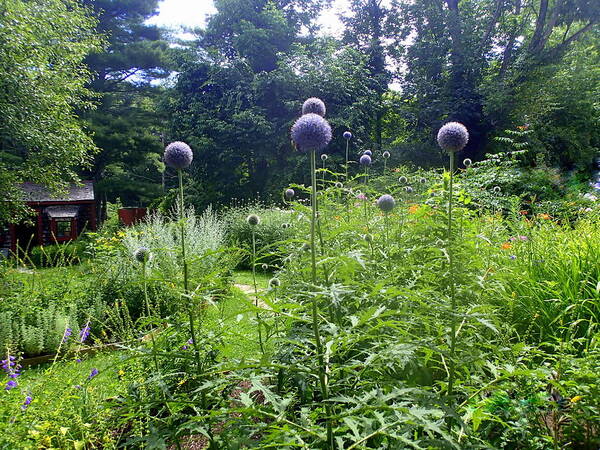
<point x="42" y="84"/>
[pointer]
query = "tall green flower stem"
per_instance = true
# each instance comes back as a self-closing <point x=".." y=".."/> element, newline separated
<point x="258" y="319"/>
<point x="315" y="312"/>
<point x="385" y="165"/>
<point x="450" y="250"/>
<point x="186" y="286"/>
<point x="347" y="160"/>
<point x="149" y="312"/>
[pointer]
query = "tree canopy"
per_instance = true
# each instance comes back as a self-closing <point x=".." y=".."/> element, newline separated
<point x="43" y="80"/>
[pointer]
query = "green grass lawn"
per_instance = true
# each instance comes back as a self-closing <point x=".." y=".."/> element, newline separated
<point x="71" y="410"/>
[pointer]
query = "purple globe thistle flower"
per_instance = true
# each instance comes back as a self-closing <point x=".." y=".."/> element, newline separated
<point x="453" y="137"/>
<point x="513" y="257"/>
<point x="386" y="203"/>
<point x="347" y="135"/>
<point x="68" y="332"/>
<point x="26" y="403"/>
<point x="178" y="155"/>
<point x="289" y="194"/>
<point x="368" y="152"/>
<point x="93" y="373"/>
<point x="365" y="160"/>
<point x="467" y="162"/>
<point x="386" y="154"/>
<point x="422" y="180"/>
<point x="10" y="384"/>
<point x="497" y="189"/>
<point x="368" y="238"/>
<point x="324" y="157"/>
<point x="314" y="105"/>
<point x="274" y="283"/>
<point x="285" y="226"/>
<point x="253" y="220"/>
<point x="408" y="189"/>
<point x="311" y="132"/>
<point x="338" y="185"/>
<point x="142" y="255"/>
<point x="85" y="332"/>
<point x="361" y="196"/>
<point x="402" y="180"/>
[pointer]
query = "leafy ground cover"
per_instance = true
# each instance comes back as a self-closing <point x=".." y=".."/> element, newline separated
<point x="497" y="350"/>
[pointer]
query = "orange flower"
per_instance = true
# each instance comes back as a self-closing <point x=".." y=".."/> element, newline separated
<point x="523" y="212"/>
<point x="506" y="246"/>
<point x="413" y="209"/>
<point x="545" y="216"/>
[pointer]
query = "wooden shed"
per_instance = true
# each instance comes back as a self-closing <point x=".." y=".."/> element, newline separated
<point x="57" y="219"/>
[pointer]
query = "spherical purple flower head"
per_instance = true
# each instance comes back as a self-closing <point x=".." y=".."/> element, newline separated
<point x="386" y="203"/>
<point x="402" y="180"/>
<point x="324" y="157"/>
<point x="178" y="155"/>
<point x="422" y="180"/>
<point x="253" y="220"/>
<point x="338" y="185"/>
<point x="311" y="132"/>
<point x="467" y="162"/>
<point x="289" y="193"/>
<point x="347" y="135"/>
<point x="274" y="283"/>
<point x="368" y="152"/>
<point x="497" y="189"/>
<point x="365" y="160"/>
<point x="142" y="255"/>
<point x="386" y="154"/>
<point x="314" y="105"/>
<point x="409" y="189"/>
<point x="453" y="137"/>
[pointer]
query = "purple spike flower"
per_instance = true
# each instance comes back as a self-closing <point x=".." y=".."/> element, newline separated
<point x="178" y="155"/>
<point x="26" y="403"/>
<point x="347" y="135"/>
<point x="93" y="373"/>
<point x="10" y="385"/>
<point x="85" y="332"/>
<point x="68" y="332"/>
<point x="453" y="137"/>
<point x="365" y="160"/>
<point x="386" y="203"/>
<point x="311" y="132"/>
<point x="315" y="106"/>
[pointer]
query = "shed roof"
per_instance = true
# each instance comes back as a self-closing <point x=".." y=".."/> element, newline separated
<point x="62" y="212"/>
<point x="76" y="193"/>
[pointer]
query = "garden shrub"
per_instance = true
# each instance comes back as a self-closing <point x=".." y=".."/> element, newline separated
<point x="73" y="252"/>
<point x="270" y="233"/>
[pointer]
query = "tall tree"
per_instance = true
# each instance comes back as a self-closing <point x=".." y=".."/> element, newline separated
<point x="128" y="126"/>
<point x="43" y="80"/>
<point x="235" y="106"/>
<point x="468" y="56"/>
<point x="370" y="28"/>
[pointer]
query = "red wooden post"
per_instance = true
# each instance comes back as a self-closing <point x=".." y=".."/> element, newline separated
<point x="40" y="229"/>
